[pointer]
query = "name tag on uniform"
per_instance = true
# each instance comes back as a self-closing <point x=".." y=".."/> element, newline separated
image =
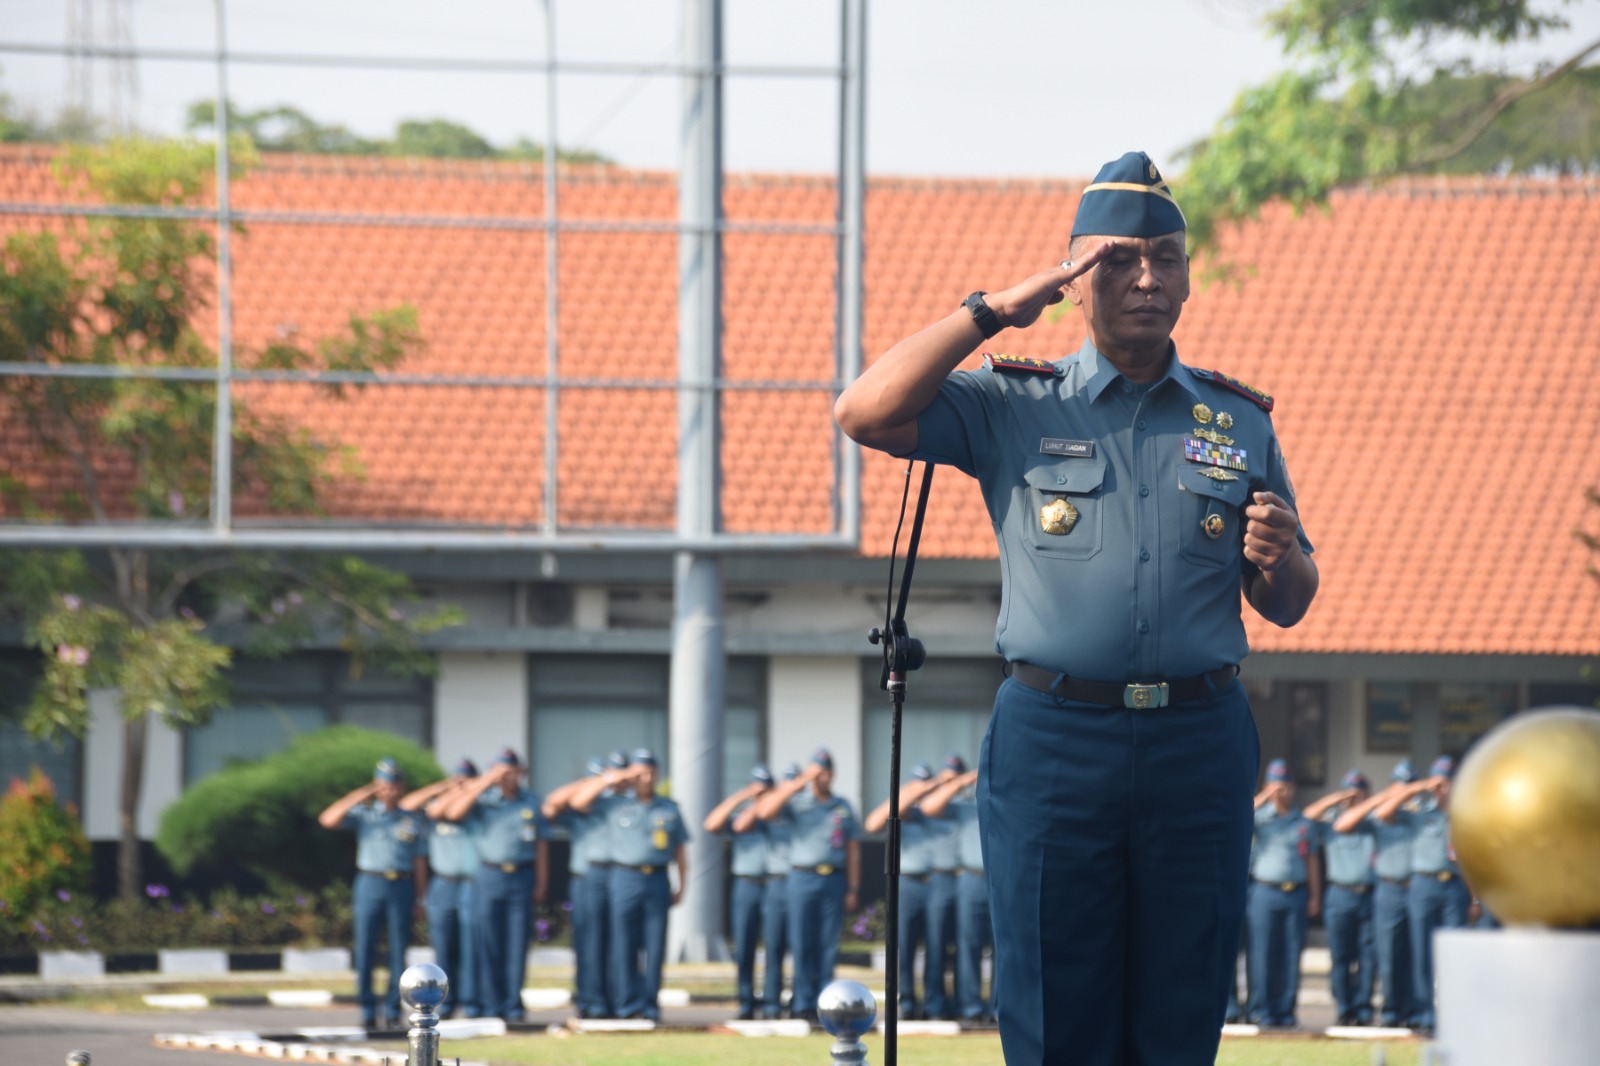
<point x="1076" y="449"/>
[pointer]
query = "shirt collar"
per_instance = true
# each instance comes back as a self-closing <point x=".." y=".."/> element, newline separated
<point x="1099" y="372"/>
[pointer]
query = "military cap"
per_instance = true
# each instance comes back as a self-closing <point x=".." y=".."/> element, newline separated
<point x="955" y="762"/>
<point x="387" y="771"/>
<point x="922" y="772"/>
<point x="507" y="757"/>
<point x="643" y="757"/>
<point x="823" y="758"/>
<point x="1355" y="779"/>
<point x="1403" y="772"/>
<point x="791" y="771"/>
<point x="1278" y="770"/>
<point x="617" y="760"/>
<point x="1128" y="198"/>
<point x="1443" y="766"/>
<point x="465" y="768"/>
<point x="759" y="772"/>
<point x="595" y="766"/>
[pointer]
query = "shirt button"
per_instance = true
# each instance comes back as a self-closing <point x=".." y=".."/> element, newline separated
<point x="1144" y="490"/>
<point x="1144" y="627"/>
<point x="1140" y="423"/>
<point x="1062" y="480"/>
<point x="1144" y="555"/>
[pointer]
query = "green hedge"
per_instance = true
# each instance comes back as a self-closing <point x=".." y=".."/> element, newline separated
<point x="261" y="816"/>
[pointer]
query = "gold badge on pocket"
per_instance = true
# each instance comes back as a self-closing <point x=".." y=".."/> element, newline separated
<point x="1214" y="524"/>
<point x="1224" y="420"/>
<point x="658" y="840"/>
<point x="1058" y="517"/>
<point x="1202" y="413"/>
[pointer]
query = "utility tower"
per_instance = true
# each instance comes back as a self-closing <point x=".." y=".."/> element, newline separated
<point x="100" y="39"/>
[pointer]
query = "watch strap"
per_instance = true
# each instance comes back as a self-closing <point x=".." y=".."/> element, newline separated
<point x="988" y="322"/>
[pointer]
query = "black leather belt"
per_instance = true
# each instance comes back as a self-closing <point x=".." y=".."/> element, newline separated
<point x="1281" y="886"/>
<point x="509" y="867"/>
<point x="389" y="875"/>
<point x="1358" y="887"/>
<point x="972" y="870"/>
<point x="750" y="877"/>
<point x="1436" y="875"/>
<point x="646" y="868"/>
<point x="821" y="870"/>
<point x="920" y="879"/>
<point x="458" y="878"/>
<point x="1401" y="881"/>
<point x="947" y="873"/>
<point x="1137" y="695"/>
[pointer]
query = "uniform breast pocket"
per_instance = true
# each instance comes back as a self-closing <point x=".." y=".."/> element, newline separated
<point x="1212" y="513"/>
<point x="1064" y="507"/>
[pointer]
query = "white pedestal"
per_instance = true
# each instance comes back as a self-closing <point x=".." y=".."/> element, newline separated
<point x="203" y="962"/>
<point x="1518" y="996"/>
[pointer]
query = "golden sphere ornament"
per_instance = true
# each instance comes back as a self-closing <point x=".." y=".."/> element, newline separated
<point x="1525" y="818"/>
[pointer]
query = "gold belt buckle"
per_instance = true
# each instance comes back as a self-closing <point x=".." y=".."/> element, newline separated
<point x="824" y="869"/>
<point x="391" y="875"/>
<point x="1139" y="697"/>
<point x="1288" y="886"/>
<point x="1444" y="875"/>
<point x="647" y="869"/>
<point x="508" y="867"/>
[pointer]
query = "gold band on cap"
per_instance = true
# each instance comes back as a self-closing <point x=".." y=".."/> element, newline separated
<point x="1133" y="186"/>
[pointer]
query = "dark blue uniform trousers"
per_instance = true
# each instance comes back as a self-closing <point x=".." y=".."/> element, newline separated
<point x="504" y="907"/>
<point x="1391" y="929"/>
<point x="1117" y="846"/>
<point x="1347" y="914"/>
<point x="1434" y="904"/>
<point x="1233" y="1012"/>
<point x="973" y="933"/>
<point x="1277" y="935"/>
<point x="381" y="906"/>
<point x="775" y="934"/>
<point x="816" y="916"/>
<point x="639" y="905"/>
<point x="748" y="893"/>
<point x="450" y="927"/>
<point x="913" y="932"/>
<point x="591" y="940"/>
<point x="937" y="1000"/>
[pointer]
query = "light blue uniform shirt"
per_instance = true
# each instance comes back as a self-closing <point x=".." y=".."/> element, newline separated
<point x="820" y="830"/>
<point x="507" y="828"/>
<point x="1137" y="588"/>
<point x="589" y="838"/>
<point x="965" y="810"/>
<point x="1393" y="839"/>
<point x="642" y="832"/>
<point x="778" y="833"/>
<point x="916" y="852"/>
<point x="451" y="850"/>
<point x="1350" y="855"/>
<point x="749" y="848"/>
<point x="1282" y="843"/>
<point x="944" y="841"/>
<point x="385" y="839"/>
<point x="1430" y="846"/>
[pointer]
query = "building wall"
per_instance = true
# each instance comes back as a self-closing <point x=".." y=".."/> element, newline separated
<point x="812" y="701"/>
<point x="102" y="771"/>
<point x="481" y="705"/>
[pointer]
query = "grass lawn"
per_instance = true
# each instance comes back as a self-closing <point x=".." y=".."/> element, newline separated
<point x="696" y="1049"/>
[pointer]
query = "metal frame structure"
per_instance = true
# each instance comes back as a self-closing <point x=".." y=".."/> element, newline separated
<point x="700" y="379"/>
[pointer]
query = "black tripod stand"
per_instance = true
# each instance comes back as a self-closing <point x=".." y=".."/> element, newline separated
<point x="902" y="653"/>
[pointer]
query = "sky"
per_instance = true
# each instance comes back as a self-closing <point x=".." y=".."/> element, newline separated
<point x="994" y="88"/>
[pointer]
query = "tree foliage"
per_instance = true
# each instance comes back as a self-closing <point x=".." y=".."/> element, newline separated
<point x="42" y="849"/>
<point x="126" y="292"/>
<point x="261" y="816"/>
<point x="1382" y="88"/>
<point x="289" y="129"/>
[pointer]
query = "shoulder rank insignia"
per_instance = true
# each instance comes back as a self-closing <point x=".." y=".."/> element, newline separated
<point x="1017" y="362"/>
<point x="1249" y="392"/>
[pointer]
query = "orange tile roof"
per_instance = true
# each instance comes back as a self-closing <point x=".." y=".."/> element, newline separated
<point x="1432" y="344"/>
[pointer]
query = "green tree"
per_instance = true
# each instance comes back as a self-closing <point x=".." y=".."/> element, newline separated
<point x="1382" y="88"/>
<point x="288" y="129"/>
<point x="42" y="848"/>
<point x="126" y="292"/>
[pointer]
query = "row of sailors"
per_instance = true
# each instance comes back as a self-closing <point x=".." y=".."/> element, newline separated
<point x="1391" y="881"/>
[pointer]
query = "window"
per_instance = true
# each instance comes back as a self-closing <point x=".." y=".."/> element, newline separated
<point x="584" y="706"/>
<point x="1292" y="721"/>
<point x="1390" y="705"/>
<point x="947" y="710"/>
<point x="1468" y="711"/>
<point x="276" y="700"/>
<point x="20" y="753"/>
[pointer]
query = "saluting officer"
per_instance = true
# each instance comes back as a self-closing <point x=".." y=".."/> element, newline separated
<point x="588" y="874"/>
<point x="1391" y="923"/>
<point x="447" y="891"/>
<point x="916" y="869"/>
<point x="647" y="833"/>
<point x="974" y="928"/>
<point x="944" y="838"/>
<point x="1437" y="897"/>
<point x="824" y="873"/>
<point x="1347" y="911"/>
<point x="389" y="853"/>
<point x="514" y="854"/>
<point x="749" y="879"/>
<point x="775" y="901"/>
<point x="1279" y="902"/>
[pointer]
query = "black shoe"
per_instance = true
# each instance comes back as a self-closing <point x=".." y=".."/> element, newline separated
<point x="747" y="1015"/>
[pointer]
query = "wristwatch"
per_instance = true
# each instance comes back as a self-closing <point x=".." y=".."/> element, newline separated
<point x="983" y="314"/>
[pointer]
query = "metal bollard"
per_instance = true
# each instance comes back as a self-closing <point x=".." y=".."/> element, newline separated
<point x="77" y="1058"/>
<point x="847" y="1010"/>
<point x="422" y="988"/>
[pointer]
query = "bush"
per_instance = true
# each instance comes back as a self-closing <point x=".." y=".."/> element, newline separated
<point x="43" y="851"/>
<point x="261" y="816"/>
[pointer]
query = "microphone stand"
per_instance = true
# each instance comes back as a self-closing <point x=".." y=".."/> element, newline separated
<point x="902" y="653"/>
